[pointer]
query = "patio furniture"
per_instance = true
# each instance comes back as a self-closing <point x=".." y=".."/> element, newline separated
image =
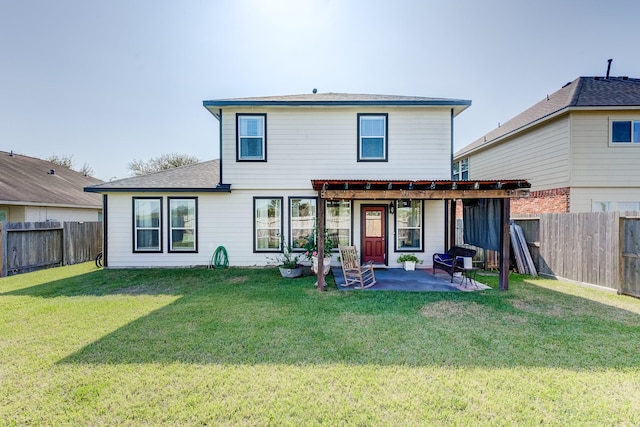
<point x="452" y="261"/>
<point x="355" y="274"/>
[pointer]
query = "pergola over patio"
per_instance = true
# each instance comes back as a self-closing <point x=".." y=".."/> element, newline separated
<point x="448" y="190"/>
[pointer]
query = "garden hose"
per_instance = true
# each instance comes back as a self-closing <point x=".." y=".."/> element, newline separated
<point x="219" y="259"/>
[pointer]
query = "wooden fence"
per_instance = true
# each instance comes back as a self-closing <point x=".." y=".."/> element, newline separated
<point x="29" y="246"/>
<point x="598" y="248"/>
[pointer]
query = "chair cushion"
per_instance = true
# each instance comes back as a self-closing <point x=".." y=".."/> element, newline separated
<point x="443" y="258"/>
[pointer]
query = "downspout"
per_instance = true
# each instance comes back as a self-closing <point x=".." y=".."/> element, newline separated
<point x="220" y="142"/>
<point x="447" y="205"/>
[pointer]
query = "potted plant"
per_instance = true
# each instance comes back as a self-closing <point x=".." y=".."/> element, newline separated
<point x="310" y="245"/>
<point x="288" y="263"/>
<point x="410" y="261"/>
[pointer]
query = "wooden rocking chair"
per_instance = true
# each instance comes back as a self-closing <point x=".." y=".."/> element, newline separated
<point x="354" y="273"/>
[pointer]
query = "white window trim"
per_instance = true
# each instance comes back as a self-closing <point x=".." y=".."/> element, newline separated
<point x="277" y="227"/>
<point x="634" y="122"/>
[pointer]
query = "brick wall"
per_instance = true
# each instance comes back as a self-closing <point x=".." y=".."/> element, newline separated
<point x="545" y="201"/>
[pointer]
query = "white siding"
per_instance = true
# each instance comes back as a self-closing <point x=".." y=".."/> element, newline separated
<point x="226" y="219"/>
<point x="321" y="143"/>
<point x="540" y="155"/>
<point x="582" y="198"/>
<point x="48" y="213"/>
<point x="595" y="163"/>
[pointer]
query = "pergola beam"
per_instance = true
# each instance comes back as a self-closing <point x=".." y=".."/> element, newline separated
<point x="421" y="194"/>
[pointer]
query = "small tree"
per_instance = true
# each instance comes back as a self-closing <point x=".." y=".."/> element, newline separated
<point x="67" y="162"/>
<point x="164" y="162"/>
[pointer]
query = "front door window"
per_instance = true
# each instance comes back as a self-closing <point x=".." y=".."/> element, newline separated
<point x="373" y="235"/>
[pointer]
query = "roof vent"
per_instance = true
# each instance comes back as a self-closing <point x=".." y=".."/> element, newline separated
<point x="11" y="154"/>
<point x="625" y="77"/>
<point x="315" y="90"/>
<point x="608" y="68"/>
<point x="52" y="172"/>
<point x="567" y="84"/>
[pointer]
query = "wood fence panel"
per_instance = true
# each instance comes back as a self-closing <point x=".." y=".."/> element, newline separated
<point x="630" y="256"/>
<point x="29" y="246"/>
<point x="82" y="241"/>
<point x="32" y="245"/>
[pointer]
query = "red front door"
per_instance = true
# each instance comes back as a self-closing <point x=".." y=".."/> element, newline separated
<point x="374" y="225"/>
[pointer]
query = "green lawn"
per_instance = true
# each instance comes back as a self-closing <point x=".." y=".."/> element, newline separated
<point x="80" y="346"/>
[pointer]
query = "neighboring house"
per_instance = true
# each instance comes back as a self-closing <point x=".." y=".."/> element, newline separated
<point x="579" y="147"/>
<point x="33" y="190"/>
<point x="380" y="165"/>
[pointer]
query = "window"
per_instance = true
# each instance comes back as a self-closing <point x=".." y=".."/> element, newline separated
<point x="409" y="225"/>
<point x="147" y="217"/>
<point x="267" y="224"/>
<point x="372" y="137"/>
<point x="461" y="170"/>
<point x="251" y="137"/>
<point x="625" y="132"/>
<point x="338" y="221"/>
<point x="3" y="215"/>
<point x="302" y="217"/>
<point x="183" y="224"/>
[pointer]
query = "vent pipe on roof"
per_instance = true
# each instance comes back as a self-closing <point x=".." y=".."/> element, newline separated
<point x="52" y="172"/>
<point x="608" y="68"/>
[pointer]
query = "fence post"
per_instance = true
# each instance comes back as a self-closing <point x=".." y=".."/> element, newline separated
<point x="3" y="251"/>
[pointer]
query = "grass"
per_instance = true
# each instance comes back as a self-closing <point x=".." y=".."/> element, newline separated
<point x="80" y="346"/>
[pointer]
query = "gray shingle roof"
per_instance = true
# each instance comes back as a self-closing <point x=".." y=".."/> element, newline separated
<point x="202" y="176"/>
<point x="613" y="92"/>
<point x="25" y="179"/>
<point x="339" y="99"/>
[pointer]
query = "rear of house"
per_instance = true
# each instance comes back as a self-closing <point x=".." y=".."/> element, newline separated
<point x="260" y="194"/>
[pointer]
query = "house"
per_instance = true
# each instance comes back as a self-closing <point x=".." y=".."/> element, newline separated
<point x="374" y="170"/>
<point x="579" y="147"/>
<point x="34" y="190"/>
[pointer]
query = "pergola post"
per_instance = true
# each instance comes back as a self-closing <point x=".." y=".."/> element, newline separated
<point x="321" y="285"/>
<point x="505" y="247"/>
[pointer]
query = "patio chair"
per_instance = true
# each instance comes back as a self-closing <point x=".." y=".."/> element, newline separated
<point x="451" y="261"/>
<point x="355" y="274"/>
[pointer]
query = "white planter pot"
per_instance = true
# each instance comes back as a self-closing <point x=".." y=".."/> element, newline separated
<point x="409" y="265"/>
<point x="290" y="272"/>
<point x="326" y="265"/>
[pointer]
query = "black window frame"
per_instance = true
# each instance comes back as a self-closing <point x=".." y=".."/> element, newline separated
<point x="134" y="234"/>
<point x="239" y="157"/>
<point x="170" y="229"/>
<point x="386" y="137"/>
<point x="280" y="248"/>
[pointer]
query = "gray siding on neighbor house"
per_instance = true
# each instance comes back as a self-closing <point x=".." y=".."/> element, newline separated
<point x="540" y="155"/>
<point x="596" y="162"/>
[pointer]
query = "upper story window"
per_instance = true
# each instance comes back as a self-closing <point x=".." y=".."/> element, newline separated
<point x="625" y="132"/>
<point x="147" y="218"/>
<point x="372" y="137"/>
<point x="251" y="136"/>
<point x="461" y="170"/>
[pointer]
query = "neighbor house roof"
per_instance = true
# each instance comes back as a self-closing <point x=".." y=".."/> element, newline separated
<point x="198" y="177"/>
<point x="27" y="180"/>
<point x="582" y="93"/>
<point x="337" y="99"/>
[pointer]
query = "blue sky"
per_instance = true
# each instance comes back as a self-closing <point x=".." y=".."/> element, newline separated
<point x="107" y="82"/>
